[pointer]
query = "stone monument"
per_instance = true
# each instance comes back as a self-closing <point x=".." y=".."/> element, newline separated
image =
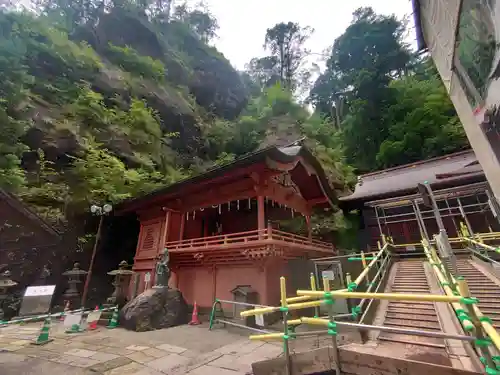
<point x="158" y="307"/>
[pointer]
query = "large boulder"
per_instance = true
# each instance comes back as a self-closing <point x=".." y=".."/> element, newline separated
<point x="155" y="309"/>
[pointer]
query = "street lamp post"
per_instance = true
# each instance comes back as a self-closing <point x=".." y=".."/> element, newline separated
<point x="99" y="211"/>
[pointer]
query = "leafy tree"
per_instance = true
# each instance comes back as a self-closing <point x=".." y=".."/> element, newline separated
<point x="388" y="104"/>
<point x="263" y="71"/>
<point x="286" y="42"/>
<point x="423" y="123"/>
<point x="199" y="19"/>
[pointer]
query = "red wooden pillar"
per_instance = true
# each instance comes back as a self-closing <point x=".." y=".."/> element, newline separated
<point x="164" y="235"/>
<point x="161" y="243"/>
<point x="261" y="216"/>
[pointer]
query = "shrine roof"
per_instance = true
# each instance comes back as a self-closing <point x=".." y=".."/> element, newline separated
<point x="449" y="170"/>
<point x="285" y="155"/>
<point x="19" y="206"/>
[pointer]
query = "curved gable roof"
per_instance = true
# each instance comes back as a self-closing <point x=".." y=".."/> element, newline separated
<point x="287" y="154"/>
<point x="16" y="204"/>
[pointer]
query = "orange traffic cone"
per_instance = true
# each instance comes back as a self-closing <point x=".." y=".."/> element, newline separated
<point x="93" y="325"/>
<point x="194" y="317"/>
<point x="65" y="311"/>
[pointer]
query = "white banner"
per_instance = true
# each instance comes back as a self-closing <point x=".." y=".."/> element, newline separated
<point x="259" y="319"/>
<point x="93" y="316"/>
<point x="72" y="319"/>
<point x="44" y="290"/>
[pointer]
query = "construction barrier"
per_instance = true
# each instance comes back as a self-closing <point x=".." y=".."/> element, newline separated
<point x="327" y="296"/>
<point x="217" y="308"/>
<point x="73" y="322"/>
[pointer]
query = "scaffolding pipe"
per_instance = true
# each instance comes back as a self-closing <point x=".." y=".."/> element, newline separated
<point x="370" y="287"/>
<point x="365" y="327"/>
<point x="362" y="275"/>
<point x="489" y="247"/>
<point x="381" y="296"/>
<point x="241" y="326"/>
<point x="466" y="323"/>
<point x="241" y="303"/>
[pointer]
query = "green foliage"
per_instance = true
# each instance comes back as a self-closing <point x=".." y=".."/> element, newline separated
<point x="130" y="60"/>
<point x="422" y="122"/>
<point x="15" y="82"/>
<point x="389" y="106"/>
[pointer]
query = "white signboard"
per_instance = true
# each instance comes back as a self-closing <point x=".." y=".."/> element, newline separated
<point x="410" y="248"/>
<point x="259" y="319"/>
<point x="93" y="316"/>
<point x="147" y="277"/>
<point x="328" y="274"/>
<point x="72" y="319"/>
<point x="36" y="291"/>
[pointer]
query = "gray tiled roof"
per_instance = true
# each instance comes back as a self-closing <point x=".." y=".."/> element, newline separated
<point x="406" y="177"/>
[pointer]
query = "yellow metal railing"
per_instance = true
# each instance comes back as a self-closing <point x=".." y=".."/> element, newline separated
<point x="470" y="316"/>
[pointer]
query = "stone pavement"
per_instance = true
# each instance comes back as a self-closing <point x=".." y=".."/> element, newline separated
<point x="192" y="350"/>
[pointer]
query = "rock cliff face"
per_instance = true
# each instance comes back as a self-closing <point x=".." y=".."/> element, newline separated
<point x="198" y="81"/>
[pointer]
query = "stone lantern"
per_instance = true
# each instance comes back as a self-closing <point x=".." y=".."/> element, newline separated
<point x="122" y="280"/>
<point x="5" y="284"/>
<point x="74" y="278"/>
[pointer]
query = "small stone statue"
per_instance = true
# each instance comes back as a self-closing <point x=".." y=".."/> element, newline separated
<point x="42" y="278"/>
<point x="162" y="271"/>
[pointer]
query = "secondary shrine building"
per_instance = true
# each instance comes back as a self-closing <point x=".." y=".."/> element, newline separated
<point x="222" y="228"/>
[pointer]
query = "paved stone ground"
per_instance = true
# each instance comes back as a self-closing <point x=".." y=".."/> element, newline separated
<point x="192" y="350"/>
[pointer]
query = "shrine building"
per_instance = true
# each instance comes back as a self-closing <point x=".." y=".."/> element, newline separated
<point x="222" y="228"/>
<point x="390" y="204"/>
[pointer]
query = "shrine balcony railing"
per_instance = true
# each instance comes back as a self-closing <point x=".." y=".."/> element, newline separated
<point x="248" y="239"/>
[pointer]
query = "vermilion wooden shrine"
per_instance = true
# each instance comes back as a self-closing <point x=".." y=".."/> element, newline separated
<point x="222" y="228"/>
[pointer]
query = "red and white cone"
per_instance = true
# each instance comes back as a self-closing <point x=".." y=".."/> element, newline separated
<point x="65" y="311"/>
<point x="194" y="317"/>
<point x="93" y="325"/>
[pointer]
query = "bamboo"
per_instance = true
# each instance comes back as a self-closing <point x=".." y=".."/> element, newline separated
<point x="385" y="296"/>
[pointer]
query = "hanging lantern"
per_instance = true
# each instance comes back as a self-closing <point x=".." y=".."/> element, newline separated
<point x="238" y="204"/>
<point x="249" y="203"/>
<point x="220" y="209"/>
<point x="187" y="216"/>
<point x="228" y="206"/>
<point x="293" y="212"/>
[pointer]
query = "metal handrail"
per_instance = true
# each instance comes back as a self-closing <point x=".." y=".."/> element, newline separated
<point x="487" y="327"/>
<point x="380" y="276"/>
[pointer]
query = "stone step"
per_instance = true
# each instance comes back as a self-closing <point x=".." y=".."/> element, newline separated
<point x="412" y="317"/>
<point x="422" y="312"/>
<point x="412" y="324"/>
<point x="432" y="342"/>
<point x="416" y="304"/>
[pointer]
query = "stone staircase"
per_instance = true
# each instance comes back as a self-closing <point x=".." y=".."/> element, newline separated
<point x="484" y="287"/>
<point x="411" y="278"/>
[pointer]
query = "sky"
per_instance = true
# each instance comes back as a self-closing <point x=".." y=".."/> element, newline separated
<point x="243" y="23"/>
